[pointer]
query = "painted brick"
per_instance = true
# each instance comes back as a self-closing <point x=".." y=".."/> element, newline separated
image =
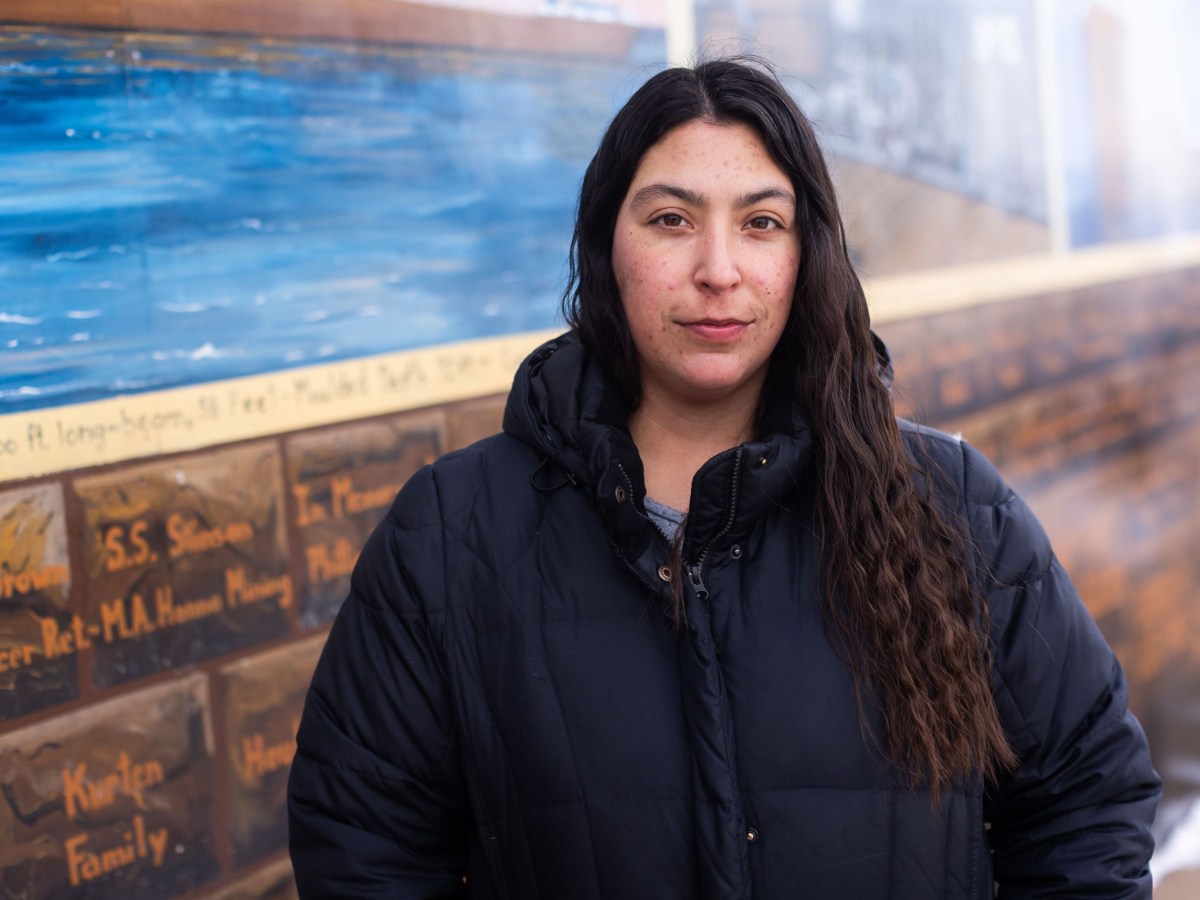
<point x="112" y="800"/>
<point x="186" y="559"/>
<point x="342" y="481"/>
<point x="263" y="697"/>
<point x="35" y="582"/>
<point x="473" y="421"/>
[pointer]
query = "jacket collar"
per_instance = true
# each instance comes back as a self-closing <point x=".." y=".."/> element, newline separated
<point x="561" y="405"/>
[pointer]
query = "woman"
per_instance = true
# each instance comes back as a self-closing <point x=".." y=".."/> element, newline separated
<point x="706" y="621"/>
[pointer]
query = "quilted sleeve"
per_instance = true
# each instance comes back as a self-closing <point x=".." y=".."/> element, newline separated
<point x="376" y="804"/>
<point x="1073" y="820"/>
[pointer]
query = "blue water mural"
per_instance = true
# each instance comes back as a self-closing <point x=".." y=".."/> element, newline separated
<point x="181" y="209"/>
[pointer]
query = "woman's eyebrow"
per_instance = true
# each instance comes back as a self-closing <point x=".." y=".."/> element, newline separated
<point x="659" y="191"/>
<point x="771" y="193"/>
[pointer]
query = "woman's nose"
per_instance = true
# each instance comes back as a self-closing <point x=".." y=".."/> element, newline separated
<point x="716" y="265"/>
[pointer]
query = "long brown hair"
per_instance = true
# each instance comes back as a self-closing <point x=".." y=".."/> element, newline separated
<point x="897" y="601"/>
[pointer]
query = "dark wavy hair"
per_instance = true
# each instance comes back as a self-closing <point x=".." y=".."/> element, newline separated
<point x="898" y="601"/>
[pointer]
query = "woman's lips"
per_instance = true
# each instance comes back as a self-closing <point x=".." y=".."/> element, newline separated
<point x="717" y="331"/>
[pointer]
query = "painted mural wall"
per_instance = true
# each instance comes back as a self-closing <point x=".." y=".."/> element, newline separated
<point x="187" y="208"/>
<point x="261" y="261"/>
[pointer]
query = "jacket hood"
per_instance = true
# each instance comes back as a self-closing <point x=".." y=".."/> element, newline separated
<point x="555" y="406"/>
<point x="561" y="405"/>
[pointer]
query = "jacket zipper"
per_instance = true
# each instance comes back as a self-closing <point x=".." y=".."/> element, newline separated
<point x="696" y="570"/>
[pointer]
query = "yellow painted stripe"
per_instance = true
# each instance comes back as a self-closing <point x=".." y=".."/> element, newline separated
<point x="53" y="440"/>
<point x="958" y="287"/>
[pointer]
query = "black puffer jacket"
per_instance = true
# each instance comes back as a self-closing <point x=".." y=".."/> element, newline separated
<point x="501" y="696"/>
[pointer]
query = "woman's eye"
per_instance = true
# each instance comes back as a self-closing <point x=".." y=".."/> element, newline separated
<point x="672" y="220"/>
<point x="763" y="223"/>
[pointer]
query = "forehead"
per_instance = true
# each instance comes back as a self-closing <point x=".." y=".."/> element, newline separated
<point x="712" y="153"/>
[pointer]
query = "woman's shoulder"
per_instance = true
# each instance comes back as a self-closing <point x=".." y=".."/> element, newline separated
<point x="1003" y="529"/>
<point x="453" y="522"/>
<point x="956" y="465"/>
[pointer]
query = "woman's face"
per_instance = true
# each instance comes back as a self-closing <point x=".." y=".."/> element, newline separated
<point x="705" y="255"/>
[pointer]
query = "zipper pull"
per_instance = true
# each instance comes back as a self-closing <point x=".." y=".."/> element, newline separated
<point x="697" y="579"/>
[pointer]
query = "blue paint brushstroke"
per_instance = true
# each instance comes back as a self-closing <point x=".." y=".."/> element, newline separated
<point x="181" y="210"/>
